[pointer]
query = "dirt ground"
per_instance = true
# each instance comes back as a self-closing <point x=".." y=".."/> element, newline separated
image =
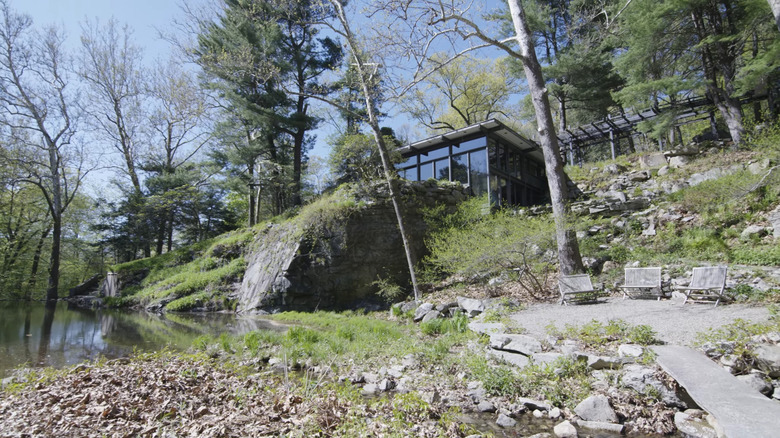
<point x="673" y="322"/>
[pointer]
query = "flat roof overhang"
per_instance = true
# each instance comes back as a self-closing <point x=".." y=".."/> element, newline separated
<point x="491" y="126"/>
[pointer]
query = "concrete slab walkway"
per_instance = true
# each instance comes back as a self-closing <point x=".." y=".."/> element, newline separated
<point x="741" y="411"/>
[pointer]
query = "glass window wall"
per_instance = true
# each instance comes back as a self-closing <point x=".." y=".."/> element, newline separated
<point x="443" y="169"/>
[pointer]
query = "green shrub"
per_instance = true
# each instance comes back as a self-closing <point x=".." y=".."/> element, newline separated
<point x="495" y="243"/>
<point x="388" y="290"/>
<point x="736" y="338"/>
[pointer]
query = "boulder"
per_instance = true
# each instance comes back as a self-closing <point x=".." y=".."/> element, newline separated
<point x="639" y="176"/>
<point x="516" y="359"/>
<point x="386" y="385"/>
<point x="407" y="306"/>
<point x="639" y="378"/>
<point x="691" y="424"/>
<point x="522" y="344"/>
<point x="759" y="167"/>
<point x="614" y="169"/>
<point x="505" y="421"/>
<point x="486" y="406"/>
<point x="630" y="350"/>
<point x="652" y="161"/>
<point x="431" y="397"/>
<point x="487" y="328"/>
<point x="602" y="426"/>
<point x="768" y="359"/>
<point x="663" y="171"/>
<point x="596" y="408"/>
<point x="774" y="219"/>
<point x="421" y="311"/>
<point x="757" y="382"/>
<point x="546" y="358"/>
<point x="565" y="430"/>
<point x="433" y="314"/>
<point x="370" y="389"/>
<point x="533" y="404"/>
<point x="753" y="230"/>
<point x="471" y="306"/>
<point x="678" y="162"/>
<point x="604" y="362"/>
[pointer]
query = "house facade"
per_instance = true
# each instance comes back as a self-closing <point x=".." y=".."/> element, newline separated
<point x="488" y="157"/>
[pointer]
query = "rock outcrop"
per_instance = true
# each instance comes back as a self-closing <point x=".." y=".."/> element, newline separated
<point x="332" y="262"/>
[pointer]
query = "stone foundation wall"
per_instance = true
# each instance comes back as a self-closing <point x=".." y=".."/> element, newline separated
<point x="335" y="267"/>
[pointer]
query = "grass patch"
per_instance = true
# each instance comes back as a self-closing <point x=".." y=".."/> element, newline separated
<point x="564" y="382"/>
<point x="599" y="336"/>
<point x="736" y="338"/>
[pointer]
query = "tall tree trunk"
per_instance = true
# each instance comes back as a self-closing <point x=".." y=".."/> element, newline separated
<point x="717" y="60"/>
<point x="169" y="221"/>
<point x="298" y="140"/>
<point x="36" y="263"/>
<point x="568" y="247"/>
<point x="52" y="292"/>
<point x="775" y="4"/>
<point x="160" y="236"/>
<point x="55" y="209"/>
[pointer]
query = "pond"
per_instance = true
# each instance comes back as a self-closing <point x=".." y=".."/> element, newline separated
<point x="32" y="335"/>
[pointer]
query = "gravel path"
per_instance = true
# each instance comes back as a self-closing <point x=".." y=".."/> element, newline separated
<point x="672" y="322"/>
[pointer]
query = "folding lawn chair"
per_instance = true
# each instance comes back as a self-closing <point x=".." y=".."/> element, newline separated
<point x="577" y="289"/>
<point x="642" y="282"/>
<point x="707" y="283"/>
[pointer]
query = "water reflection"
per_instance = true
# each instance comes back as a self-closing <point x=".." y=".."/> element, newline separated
<point x="32" y="334"/>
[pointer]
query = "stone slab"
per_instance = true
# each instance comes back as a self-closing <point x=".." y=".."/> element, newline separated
<point x="740" y="410"/>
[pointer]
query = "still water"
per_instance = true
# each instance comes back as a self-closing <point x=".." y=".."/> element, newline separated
<point x="32" y="335"/>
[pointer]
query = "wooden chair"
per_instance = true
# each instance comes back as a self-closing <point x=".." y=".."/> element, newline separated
<point x="577" y="289"/>
<point x="707" y="283"/>
<point x="642" y="282"/>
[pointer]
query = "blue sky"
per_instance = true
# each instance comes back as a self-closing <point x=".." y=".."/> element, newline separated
<point x="144" y="16"/>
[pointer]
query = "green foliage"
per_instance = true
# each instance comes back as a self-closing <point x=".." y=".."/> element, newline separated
<point x="388" y="290"/>
<point x="355" y="158"/>
<point x="328" y="211"/>
<point x="564" y="382"/>
<point x="713" y="195"/>
<point x="462" y="92"/>
<point x="439" y="326"/>
<point x="736" y="338"/>
<point x="479" y="246"/>
<point x="189" y="277"/>
<point x="596" y="334"/>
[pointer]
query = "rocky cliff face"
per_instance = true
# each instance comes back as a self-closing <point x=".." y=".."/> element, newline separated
<point x="332" y="262"/>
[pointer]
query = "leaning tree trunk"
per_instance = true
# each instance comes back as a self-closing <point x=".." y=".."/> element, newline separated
<point x="387" y="165"/>
<point x="568" y="247"/>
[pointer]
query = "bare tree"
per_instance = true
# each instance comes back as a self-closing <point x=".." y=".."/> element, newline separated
<point x="37" y="120"/>
<point x="430" y="22"/>
<point x="111" y="66"/>
<point x="180" y="129"/>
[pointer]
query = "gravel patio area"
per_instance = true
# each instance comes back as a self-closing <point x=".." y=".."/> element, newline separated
<point x="672" y="322"/>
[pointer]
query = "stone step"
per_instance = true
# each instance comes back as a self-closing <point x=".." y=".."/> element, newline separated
<point x="741" y="411"/>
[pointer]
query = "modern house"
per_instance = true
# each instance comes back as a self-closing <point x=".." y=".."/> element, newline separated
<point x="488" y="157"/>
